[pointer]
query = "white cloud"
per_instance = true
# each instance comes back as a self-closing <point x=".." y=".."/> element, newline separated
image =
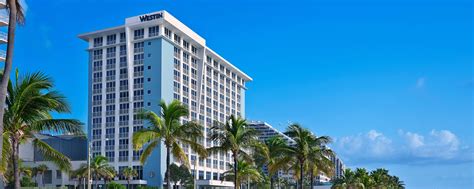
<point x="406" y="147"/>
<point x="371" y="144"/>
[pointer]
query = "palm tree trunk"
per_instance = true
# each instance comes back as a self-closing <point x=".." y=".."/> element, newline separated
<point x="128" y="183"/>
<point x="168" y="175"/>
<point x="312" y="180"/>
<point x="271" y="182"/>
<point x="96" y="182"/>
<point x="235" y="171"/>
<point x="16" y="165"/>
<point x="301" y="174"/>
<point x="8" y="63"/>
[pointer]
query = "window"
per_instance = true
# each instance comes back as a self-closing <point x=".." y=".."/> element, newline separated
<point x="177" y="39"/>
<point x="208" y="175"/>
<point x="194" y="50"/>
<point x="59" y="174"/>
<point x="48" y="177"/>
<point x="123" y="50"/>
<point x="98" y="41"/>
<point x="139" y="170"/>
<point x="123" y="155"/>
<point x="97" y="54"/>
<point x="122" y="37"/>
<point x="111" y="39"/>
<point x="153" y="31"/>
<point x="186" y="45"/>
<point x="110" y="52"/>
<point x="110" y="155"/>
<point x="201" y="175"/>
<point x="138" y="34"/>
<point x="168" y="33"/>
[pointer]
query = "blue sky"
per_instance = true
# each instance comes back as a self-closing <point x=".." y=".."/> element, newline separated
<point x="391" y="81"/>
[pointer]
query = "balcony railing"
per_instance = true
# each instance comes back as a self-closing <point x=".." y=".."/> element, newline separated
<point x="123" y="135"/>
<point x="123" y="146"/>
<point x="4" y="18"/>
<point x="3" y="54"/>
<point x="3" y="36"/>
<point x="123" y="158"/>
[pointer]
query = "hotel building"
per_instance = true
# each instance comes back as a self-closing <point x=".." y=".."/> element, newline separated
<point x="265" y="132"/>
<point x="152" y="57"/>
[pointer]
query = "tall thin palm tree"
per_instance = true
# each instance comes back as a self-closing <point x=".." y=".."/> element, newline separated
<point x="99" y="169"/>
<point x="40" y="170"/>
<point x="129" y="173"/>
<point x="80" y="174"/>
<point x="30" y="102"/>
<point x="166" y="127"/>
<point x="305" y="143"/>
<point x="236" y="137"/>
<point x="245" y="170"/>
<point x="319" y="162"/>
<point x="271" y="154"/>
<point x="16" y="16"/>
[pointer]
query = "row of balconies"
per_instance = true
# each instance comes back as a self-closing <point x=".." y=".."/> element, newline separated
<point x="3" y="35"/>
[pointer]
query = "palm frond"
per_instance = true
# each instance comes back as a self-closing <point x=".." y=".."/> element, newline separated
<point x="148" y="150"/>
<point x="144" y="136"/>
<point x="51" y="154"/>
<point x="71" y="126"/>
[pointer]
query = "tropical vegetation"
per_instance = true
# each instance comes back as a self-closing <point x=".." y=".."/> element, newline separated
<point x="99" y="169"/>
<point x="362" y="179"/>
<point x="129" y="173"/>
<point x="181" y="175"/>
<point x="16" y="15"/>
<point x="235" y="137"/>
<point x="167" y="126"/>
<point x="30" y="103"/>
<point x="308" y="154"/>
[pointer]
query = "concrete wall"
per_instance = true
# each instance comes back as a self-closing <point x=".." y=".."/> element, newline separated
<point x="158" y="67"/>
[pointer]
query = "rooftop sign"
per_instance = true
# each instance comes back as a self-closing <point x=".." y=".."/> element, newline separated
<point x="146" y="17"/>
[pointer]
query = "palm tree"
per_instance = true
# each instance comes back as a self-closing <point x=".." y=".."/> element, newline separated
<point x="169" y="130"/>
<point x="40" y="170"/>
<point x="100" y="168"/>
<point x="111" y="173"/>
<point x="380" y="177"/>
<point x="129" y="173"/>
<point x="363" y="177"/>
<point x="30" y="102"/>
<point x="305" y="143"/>
<point x="236" y="137"/>
<point x="348" y="180"/>
<point x="16" y="15"/>
<point x="246" y="172"/>
<point x="319" y="162"/>
<point x="80" y="174"/>
<point x="270" y="154"/>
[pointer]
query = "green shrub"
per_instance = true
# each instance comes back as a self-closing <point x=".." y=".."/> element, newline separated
<point x="114" y="185"/>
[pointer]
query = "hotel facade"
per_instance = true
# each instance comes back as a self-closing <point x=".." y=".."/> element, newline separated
<point x="149" y="58"/>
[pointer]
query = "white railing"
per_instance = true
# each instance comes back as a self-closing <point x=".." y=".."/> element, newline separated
<point x="3" y="54"/>
<point x="3" y="36"/>
<point x="4" y="18"/>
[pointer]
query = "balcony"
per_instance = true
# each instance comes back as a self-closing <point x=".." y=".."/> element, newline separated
<point x="123" y="158"/>
<point x="3" y="37"/>
<point x="123" y="135"/>
<point x="123" y="146"/>
<point x="3" y="54"/>
<point x="109" y="148"/>
<point x="3" y="20"/>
